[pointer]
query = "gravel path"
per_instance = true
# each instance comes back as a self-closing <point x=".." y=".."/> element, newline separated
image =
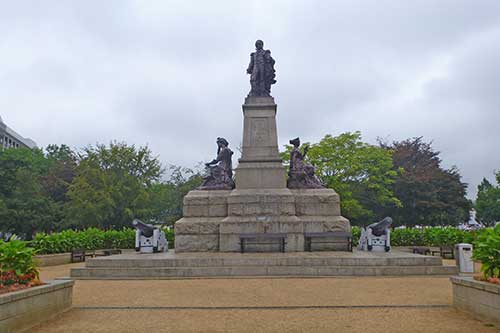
<point x="361" y="304"/>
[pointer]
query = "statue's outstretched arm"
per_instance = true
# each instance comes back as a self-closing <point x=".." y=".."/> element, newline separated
<point x="215" y="161"/>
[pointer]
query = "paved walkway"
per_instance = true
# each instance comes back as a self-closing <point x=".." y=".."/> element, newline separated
<point x="358" y="304"/>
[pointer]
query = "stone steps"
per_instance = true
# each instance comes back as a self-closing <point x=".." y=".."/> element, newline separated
<point x="246" y="260"/>
<point x="219" y="264"/>
<point x="260" y="270"/>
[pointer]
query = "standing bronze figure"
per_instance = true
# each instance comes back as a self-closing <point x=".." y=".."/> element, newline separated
<point x="261" y="70"/>
<point x="301" y="174"/>
<point x="220" y="170"/>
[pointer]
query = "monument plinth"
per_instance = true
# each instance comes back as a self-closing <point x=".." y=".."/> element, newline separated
<point x="260" y="166"/>
<point x="215" y="215"/>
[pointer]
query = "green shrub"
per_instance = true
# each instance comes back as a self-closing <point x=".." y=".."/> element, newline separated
<point x="428" y="236"/>
<point x="487" y="251"/>
<point x="169" y="233"/>
<point x="17" y="264"/>
<point x="89" y="239"/>
<point x="407" y="237"/>
<point x="356" y="233"/>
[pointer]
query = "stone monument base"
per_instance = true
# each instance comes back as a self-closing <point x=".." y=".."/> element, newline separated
<point x="214" y="220"/>
<point x="173" y="265"/>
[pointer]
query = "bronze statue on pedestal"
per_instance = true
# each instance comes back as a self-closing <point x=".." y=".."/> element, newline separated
<point x="220" y="170"/>
<point x="301" y="174"/>
<point x="261" y="70"/>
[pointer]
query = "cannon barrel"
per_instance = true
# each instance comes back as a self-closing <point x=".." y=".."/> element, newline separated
<point x="378" y="228"/>
<point x="146" y="229"/>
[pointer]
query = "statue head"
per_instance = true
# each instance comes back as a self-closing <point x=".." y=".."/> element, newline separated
<point x="221" y="142"/>
<point x="259" y="45"/>
<point x="295" y="142"/>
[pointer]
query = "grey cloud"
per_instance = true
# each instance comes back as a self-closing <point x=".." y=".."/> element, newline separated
<point x="171" y="74"/>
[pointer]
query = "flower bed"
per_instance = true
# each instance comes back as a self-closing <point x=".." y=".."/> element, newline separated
<point x="24" y="300"/>
<point x="17" y="267"/>
<point x="26" y="308"/>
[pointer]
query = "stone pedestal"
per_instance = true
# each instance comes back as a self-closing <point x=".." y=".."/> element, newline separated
<point x="198" y="230"/>
<point x="260" y="166"/>
<point x="261" y="203"/>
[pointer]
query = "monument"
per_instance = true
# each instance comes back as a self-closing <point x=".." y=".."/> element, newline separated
<point x="261" y="208"/>
<point x="216" y="214"/>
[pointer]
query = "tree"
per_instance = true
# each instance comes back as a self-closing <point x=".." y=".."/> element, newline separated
<point x="488" y="201"/>
<point x="361" y="173"/>
<point x="430" y="194"/>
<point x="167" y="197"/>
<point x="62" y="170"/>
<point x="112" y="186"/>
<point x="25" y="207"/>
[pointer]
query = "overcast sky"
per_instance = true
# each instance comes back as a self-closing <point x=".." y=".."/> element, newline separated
<point x="171" y="74"/>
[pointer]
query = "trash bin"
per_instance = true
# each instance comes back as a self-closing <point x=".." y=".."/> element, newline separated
<point x="464" y="258"/>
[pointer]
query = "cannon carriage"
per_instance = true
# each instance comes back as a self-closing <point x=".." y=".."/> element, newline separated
<point x="148" y="238"/>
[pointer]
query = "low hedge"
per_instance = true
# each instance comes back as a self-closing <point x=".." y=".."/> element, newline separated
<point x="89" y="239"/>
<point x="94" y="239"/>
<point x="427" y="236"/>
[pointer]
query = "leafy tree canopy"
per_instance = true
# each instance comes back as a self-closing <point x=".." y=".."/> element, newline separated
<point x="430" y="194"/>
<point x="28" y="200"/>
<point x="488" y="201"/>
<point x="361" y="173"/>
<point x="112" y="186"/>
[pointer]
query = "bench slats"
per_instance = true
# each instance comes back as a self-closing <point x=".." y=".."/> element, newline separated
<point x="244" y="239"/>
<point x="338" y="237"/>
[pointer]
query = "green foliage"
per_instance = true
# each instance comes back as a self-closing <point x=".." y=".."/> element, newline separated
<point x="26" y="202"/>
<point x="167" y="198"/>
<point x="356" y="233"/>
<point x="487" y="251"/>
<point x="169" y="233"/>
<point x="17" y="264"/>
<point x="362" y="174"/>
<point x="112" y="186"/>
<point x="430" y="194"/>
<point x="430" y="236"/>
<point x="89" y="239"/>
<point x="488" y="201"/>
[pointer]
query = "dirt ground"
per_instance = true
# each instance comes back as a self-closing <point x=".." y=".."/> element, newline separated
<point x="357" y="304"/>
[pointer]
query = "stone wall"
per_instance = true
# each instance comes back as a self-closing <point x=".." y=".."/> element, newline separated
<point x="480" y="298"/>
<point x="26" y="308"/>
<point x="213" y="220"/>
<point x="53" y="259"/>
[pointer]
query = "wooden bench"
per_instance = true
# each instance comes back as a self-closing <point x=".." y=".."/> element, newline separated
<point x="77" y="255"/>
<point x="447" y="250"/>
<point x="109" y="252"/>
<point x="106" y="252"/>
<point x="434" y="252"/>
<point x="257" y="238"/>
<point x="421" y="250"/>
<point x="331" y="237"/>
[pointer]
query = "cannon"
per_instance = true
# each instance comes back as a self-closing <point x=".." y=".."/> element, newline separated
<point x="376" y="236"/>
<point x="148" y="238"/>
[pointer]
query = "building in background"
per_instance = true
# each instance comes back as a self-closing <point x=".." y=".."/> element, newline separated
<point x="11" y="139"/>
